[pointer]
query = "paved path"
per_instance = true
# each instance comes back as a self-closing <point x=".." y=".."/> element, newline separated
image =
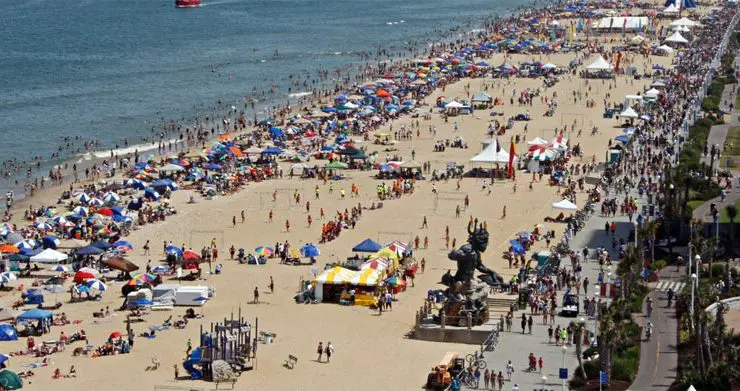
<point x="516" y="346"/>
<point x="659" y="357"/>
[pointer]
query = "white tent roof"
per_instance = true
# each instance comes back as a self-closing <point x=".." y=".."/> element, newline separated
<point x="489" y="155"/>
<point x="665" y="48"/>
<point x="684" y="22"/>
<point x="49" y="256"/>
<point x="671" y="9"/>
<point x="629" y="113"/>
<point x="652" y="93"/>
<point x="454" y="105"/>
<point x="677" y="37"/>
<point x="171" y="167"/>
<point x="599" y="64"/>
<point x="564" y="204"/>
<point x="618" y="22"/>
<point x="537" y="141"/>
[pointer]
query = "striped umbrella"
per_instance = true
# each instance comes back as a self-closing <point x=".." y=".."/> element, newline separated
<point x="96" y="202"/>
<point x="28" y="244"/>
<point x="59" y="268"/>
<point x="96" y="285"/>
<point x="7" y="277"/>
<point x="111" y="197"/>
<point x="82" y="197"/>
<point x="44" y="226"/>
<point x="81" y="210"/>
<point x="59" y="220"/>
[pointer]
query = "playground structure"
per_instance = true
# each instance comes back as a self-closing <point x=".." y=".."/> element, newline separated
<point x="225" y="351"/>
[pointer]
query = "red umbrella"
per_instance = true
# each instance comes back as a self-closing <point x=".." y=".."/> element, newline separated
<point x="114" y="335"/>
<point x="105" y="211"/>
<point x="190" y="256"/>
<point x="82" y="276"/>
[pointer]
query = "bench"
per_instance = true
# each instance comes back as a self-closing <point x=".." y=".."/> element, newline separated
<point x="291" y="361"/>
<point x="232" y="381"/>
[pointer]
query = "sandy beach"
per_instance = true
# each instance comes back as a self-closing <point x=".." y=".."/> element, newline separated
<point x="372" y="351"/>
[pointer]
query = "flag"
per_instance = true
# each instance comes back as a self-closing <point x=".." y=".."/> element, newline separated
<point x="512" y="153"/>
<point x="619" y="58"/>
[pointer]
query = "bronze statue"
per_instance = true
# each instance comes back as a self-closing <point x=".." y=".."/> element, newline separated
<point x="468" y="258"/>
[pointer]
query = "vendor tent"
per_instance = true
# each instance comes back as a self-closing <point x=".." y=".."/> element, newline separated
<point x="367" y="246"/>
<point x="49" y="256"/>
<point x="599" y="65"/>
<point x="677" y="38"/>
<point x="684" y="22"/>
<point x="564" y="204"/>
<point x="622" y="22"/>
<point x="629" y="113"/>
<point x="492" y="154"/>
<point x="335" y="275"/>
<point x="665" y="48"/>
<point x="652" y="93"/>
<point x="537" y="141"/>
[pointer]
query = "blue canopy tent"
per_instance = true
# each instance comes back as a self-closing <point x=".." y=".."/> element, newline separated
<point x="35" y="314"/>
<point x="7" y="332"/>
<point x="367" y="246"/>
<point x="685" y="4"/>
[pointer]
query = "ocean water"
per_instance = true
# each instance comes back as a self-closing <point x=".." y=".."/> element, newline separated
<point x="113" y="69"/>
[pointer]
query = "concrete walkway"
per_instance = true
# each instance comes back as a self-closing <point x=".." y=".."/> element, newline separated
<point x="659" y="356"/>
<point x="718" y="133"/>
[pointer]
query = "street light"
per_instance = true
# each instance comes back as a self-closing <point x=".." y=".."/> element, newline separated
<point x="694" y="282"/>
<point x="565" y="350"/>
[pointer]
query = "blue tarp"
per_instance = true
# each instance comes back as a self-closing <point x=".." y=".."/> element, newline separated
<point x="367" y="246"/>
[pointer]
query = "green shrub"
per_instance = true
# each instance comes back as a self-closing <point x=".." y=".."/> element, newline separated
<point x="590" y="352"/>
<point x="624" y="366"/>
<point x="710" y="103"/>
<point x="592" y="368"/>
<point x="660" y="264"/>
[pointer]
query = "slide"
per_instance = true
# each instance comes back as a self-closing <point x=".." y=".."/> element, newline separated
<point x="194" y="359"/>
<point x="194" y="373"/>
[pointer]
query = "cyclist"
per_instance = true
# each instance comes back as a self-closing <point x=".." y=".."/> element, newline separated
<point x="648" y="330"/>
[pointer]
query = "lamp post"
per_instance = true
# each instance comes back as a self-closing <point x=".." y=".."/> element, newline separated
<point x="694" y="281"/>
<point x="565" y="350"/>
<point x="635" y="223"/>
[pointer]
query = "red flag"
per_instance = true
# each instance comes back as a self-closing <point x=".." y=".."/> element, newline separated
<point x="512" y="153"/>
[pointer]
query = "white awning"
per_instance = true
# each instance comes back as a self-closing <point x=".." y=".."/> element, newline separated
<point x="564" y="204"/>
<point x="599" y="64"/>
<point x="629" y="113"/>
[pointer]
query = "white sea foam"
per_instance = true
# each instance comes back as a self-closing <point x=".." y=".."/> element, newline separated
<point x="299" y="94"/>
<point x="127" y="150"/>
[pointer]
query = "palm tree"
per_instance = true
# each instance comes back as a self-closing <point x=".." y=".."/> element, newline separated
<point x="610" y="333"/>
<point x="578" y="329"/>
<point x="731" y="214"/>
<point x="649" y="231"/>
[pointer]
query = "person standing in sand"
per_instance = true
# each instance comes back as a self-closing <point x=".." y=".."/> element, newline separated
<point x="329" y="351"/>
<point x="256" y="295"/>
<point x="320" y="351"/>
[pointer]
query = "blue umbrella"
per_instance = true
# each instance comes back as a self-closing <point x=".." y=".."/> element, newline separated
<point x="213" y="166"/>
<point x="173" y="250"/>
<point x="102" y="244"/>
<point x="310" y="250"/>
<point x="89" y="250"/>
<point x="150" y="193"/>
<point x="51" y="241"/>
<point x="124" y="244"/>
<point x="272" y="151"/>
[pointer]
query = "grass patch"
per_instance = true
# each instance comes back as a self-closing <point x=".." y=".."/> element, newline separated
<point x="731" y="149"/>
<point x="723" y="219"/>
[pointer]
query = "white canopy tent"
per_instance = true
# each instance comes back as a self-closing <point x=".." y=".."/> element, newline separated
<point x="454" y="105"/>
<point x="49" y="256"/>
<point x="490" y="155"/>
<point x="665" y="48"/>
<point x="652" y="93"/>
<point x="628" y="113"/>
<point x="677" y="38"/>
<point x="622" y="22"/>
<point x="684" y="22"/>
<point x="599" y="65"/>
<point x="564" y="204"/>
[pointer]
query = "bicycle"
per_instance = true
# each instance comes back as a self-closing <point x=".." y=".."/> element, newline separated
<point x="467" y="378"/>
<point x="475" y="361"/>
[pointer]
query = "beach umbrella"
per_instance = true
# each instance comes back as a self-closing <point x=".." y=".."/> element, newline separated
<point x="264" y="250"/>
<point x="10" y="380"/>
<point x="114" y="335"/>
<point x="28" y="244"/>
<point x="13" y="237"/>
<point x="190" y="255"/>
<point x="18" y="258"/>
<point x="102" y="244"/>
<point x="59" y="220"/>
<point x="111" y="197"/>
<point x="96" y="202"/>
<point x="84" y="275"/>
<point x="50" y="241"/>
<point x="59" y="268"/>
<point x="81" y="288"/>
<point x="395" y="281"/>
<point x="4" y="357"/>
<point x="161" y="269"/>
<point x="82" y="197"/>
<point x="124" y="244"/>
<point x="81" y="211"/>
<point x="151" y="194"/>
<point x="9" y="249"/>
<point x="89" y="250"/>
<point x="96" y="285"/>
<point x="44" y="226"/>
<point x="170" y="249"/>
<point x="118" y="263"/>
<point x="310" y="250"/>
<point x="7" y="277"/>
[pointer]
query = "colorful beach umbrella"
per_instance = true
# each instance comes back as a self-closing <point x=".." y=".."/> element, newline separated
<point x="395" y="281"/>
<point x="9" y="249"/>
<point x="96" y="285"/>
<point x="59" y="268"/>
<point x="44" y="226"/>
<point x="264" y="251"/>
